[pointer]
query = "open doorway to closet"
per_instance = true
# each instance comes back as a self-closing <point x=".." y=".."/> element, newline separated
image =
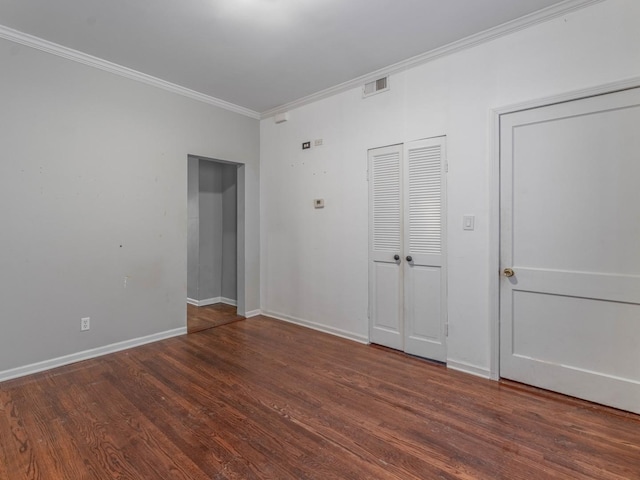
<point x="212" y="243"/>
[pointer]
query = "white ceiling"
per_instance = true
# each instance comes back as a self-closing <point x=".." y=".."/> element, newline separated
<point x="259" y="54"/>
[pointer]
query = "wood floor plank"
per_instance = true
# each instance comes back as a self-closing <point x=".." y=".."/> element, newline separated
<point x="253" y="405"/>
<point x="16" y="445"/>
<point x="263" y="399"/>
<point x="119" y="425"/>
<point x="313" y="395"/>
<point x="382" y="411"/>
<point x="162" y="392"/>
<point x="537" y="459"/>
<point x="540" y="457"/>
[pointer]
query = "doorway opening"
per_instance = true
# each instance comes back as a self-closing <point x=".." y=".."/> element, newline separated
<point x="215" y="286"/>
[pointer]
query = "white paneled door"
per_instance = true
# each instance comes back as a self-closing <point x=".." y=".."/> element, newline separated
<point x="407" y="274"/>
<point x="570" y="248"/>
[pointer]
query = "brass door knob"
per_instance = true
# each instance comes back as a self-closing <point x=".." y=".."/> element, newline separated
<point x="508" y="272"/>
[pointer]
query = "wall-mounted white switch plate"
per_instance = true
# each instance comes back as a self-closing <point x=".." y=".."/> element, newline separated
<point x="468" y="222"/>
<point x="318" y="203"/>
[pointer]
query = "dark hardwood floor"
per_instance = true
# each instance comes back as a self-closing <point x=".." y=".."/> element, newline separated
<point x="263" y="399"/>
<point x="202" y="318"/>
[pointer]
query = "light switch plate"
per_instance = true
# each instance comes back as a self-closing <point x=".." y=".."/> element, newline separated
<point x="318" y="203"/>
<point x="468" y="222"/>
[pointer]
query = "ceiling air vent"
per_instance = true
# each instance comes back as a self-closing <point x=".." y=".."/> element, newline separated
<point x="377" y="86"/>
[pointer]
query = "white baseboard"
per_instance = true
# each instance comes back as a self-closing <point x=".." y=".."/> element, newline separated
<point x="318" y="326"/>
<point x="87" y="354"/>
<point x="468" y="368"/>
<point x="229" y="301"/>
<point x="253" y="313"/>
<point x="209" y="301"/>
<point x="212" y="301"/>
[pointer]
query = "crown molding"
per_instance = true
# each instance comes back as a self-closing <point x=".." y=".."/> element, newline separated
<point x="76" y="56"/>
<point x="507" y="28"/>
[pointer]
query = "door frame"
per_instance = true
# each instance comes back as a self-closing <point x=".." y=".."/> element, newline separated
<point x="241" y="277"/>
<point x="494" y="198"/>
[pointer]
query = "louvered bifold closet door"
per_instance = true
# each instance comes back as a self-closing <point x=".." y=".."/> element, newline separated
<point x="424" y="268"/>
<point x="385" y="246"/>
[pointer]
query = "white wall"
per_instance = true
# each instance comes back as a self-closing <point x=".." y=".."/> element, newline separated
<point x="314" y="262"/>
<point x="93" y="191"/>
<point x="210" y="243"/>
<point x="229" y="289"/>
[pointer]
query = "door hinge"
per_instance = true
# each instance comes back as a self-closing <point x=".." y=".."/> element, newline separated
<point x="446" y="329"/>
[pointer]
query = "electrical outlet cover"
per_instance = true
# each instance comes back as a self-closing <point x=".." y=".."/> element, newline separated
<point x="85" y="323"/>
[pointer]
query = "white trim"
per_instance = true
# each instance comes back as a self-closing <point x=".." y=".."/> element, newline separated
<point x="212" y="301"/>
<point x="494" y="247"/>
<point x="208" y="301"/>
<point x="507" y="28"/>
<point x="468" y="368"/>
<point x="253" y="313"/>
<point x="494" y="194"/>
<point x="86" y="59"/>
<point x="513" y="26"/>
<point x="603" y="89"/>
<point x="319" y="327"/>
<point x="228" y="301"/>
<point x="88" y="354"/>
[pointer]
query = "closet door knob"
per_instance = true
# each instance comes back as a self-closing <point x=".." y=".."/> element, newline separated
<point x="409" y="258"/>
<point x="396" y="257"/>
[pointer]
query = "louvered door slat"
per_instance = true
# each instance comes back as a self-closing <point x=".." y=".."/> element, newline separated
<point x="386" y="202"/>
<point x="425" y="202"/>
